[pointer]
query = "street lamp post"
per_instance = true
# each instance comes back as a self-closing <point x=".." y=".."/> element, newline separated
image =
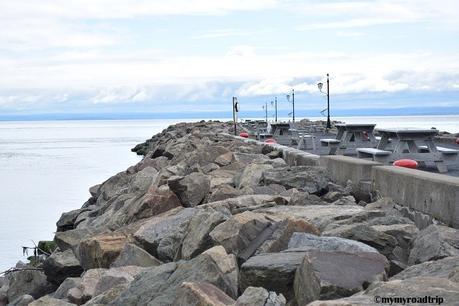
<point x="275" y="103"/>
<point x="293" y="103"/>
<point x="265" y="107"/>
<point x="320" y="85"/>
<point x="235" y="110"/>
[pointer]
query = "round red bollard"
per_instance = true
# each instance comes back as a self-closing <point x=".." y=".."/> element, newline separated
<point x="270" y="140"/>
<point x="457" y="140"/>
<point x="406" y="163"/>
<point x="244" y="134"/>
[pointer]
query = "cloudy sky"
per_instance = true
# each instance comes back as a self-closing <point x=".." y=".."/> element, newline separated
<point x="90" y="56"/>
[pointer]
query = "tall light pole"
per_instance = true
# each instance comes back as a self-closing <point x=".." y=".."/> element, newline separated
<point x="235" y="110"/>
<point x="265" y="107"/>
<point x="293" y="103"/>
<point x="320" y="85"/>
<point x="275" y="103"/>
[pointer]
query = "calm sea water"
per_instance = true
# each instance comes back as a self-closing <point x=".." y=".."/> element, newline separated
<point x="46" y="168"/>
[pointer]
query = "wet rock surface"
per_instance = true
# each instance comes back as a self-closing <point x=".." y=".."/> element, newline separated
<point x="208" y="219"/>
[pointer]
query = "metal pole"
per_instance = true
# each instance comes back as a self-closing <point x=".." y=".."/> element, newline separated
<point x="275" y="104"/>
<point x="293" y="101"/>
<point x="328" y="102"/>
<point x="234" y="114"/>
<point x="266" y="112"/>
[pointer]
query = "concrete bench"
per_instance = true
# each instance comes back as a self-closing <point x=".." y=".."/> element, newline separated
<point x="332" y="143"/>
<point x="303" y="142"/>
<point x="447" y="153"/>
<point x="375" y="154"/>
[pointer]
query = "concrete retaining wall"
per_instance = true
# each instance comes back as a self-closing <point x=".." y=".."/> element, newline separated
<point x="434" y="194"/>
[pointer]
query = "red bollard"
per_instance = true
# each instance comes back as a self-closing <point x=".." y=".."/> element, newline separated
<point x="406" y="163"/>
<point x="244" y="134"/>
<point x="270" y="140"/>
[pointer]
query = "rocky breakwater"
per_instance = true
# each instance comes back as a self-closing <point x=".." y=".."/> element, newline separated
<point x="205" y="219"/>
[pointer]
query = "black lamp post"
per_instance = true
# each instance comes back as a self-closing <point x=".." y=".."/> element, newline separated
<point x="265" y="107"/>
<point x="235" y="111"/>
<point x="320" y="85"/>
<point x="293" y="103"/>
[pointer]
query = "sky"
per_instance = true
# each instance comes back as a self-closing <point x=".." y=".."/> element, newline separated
<point x="183" y="56"/>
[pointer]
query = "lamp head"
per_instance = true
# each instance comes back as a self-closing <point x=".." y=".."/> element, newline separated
<point x="320" y="85"/>
<point x="288" y="98"/>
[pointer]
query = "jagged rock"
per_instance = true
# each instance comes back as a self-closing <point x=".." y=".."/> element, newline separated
<point x="31" y="282"/>
<point x="61" y="265"/>
<point x="69" y="240"/>
<point x="273" y="271"/>
<point x="252" y="175"/>
<point x="108" y="296"/>
<point x="197" y="238"/>
<point x="132" y="255"/>
<point x="319" y="215"/>
<point x="97" y="281"/>
<point x="309" y="242"/>
<point x="224" y="159"/>
<point x="279" y="239"/>
<point x="302" y="198"/>
<point x="100" y="251"/>
<point x="50" y="301"/>
<point x="158" y="285"/>
<point x="63" y="291"/>
<point x="272" y="189"/>
<point x="156" y="201"/>
<point x="191" y="189"/>
<point x="390" y="220"/>
<point x="306" y="178"/>
<point x="23" y="300"/>
<point x="162" y="235"/>
<point x="248" y="202"/>
<point x="343" y="274"/>
<point x="346" y="200"/>
<point x="383" y="203"/>
<point x="239" y="231"/>
<point x="67" y="220"/>
<point x="442" y="268"/>
<point x="250" y="158"/>
<point x="223" y="176"/>
<point x="306" y="284"/>
<point x="434" y="242"/>
<point x="257" y="296"/>
<point x="381" y="241"/>
<point x="223" y="192"/>
<point x="200" y="294"/>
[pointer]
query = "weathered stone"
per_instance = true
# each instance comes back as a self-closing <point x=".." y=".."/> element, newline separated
<point x="309" y="242"/>
<point x="434" y="242"/>
<point x="383" y="203"/>
<point x="156" y="201"/>
<point x="191" y="189"/>
<point x="202" y="294"/>
<point x="273" y="271"/>
<point x="49" y="301"/>
<point x="108" y="296"/>
<point x="239" y="231"/>
<point x="252" y="175"/>
<point x="69" y="240"/>
<point x="306" y="284"/>
<point x="158" y="285"/>
<point x="100" y="251"/>
<point x="257" y="296"/>
<point x="346" y="200"/>
<point x="223" y="192"/>
<point x="197" y="238"/>
<point x="384" y="243"/>
<point x="306" y="178"/>
<point x="162" y="235"/>
<point x="248" y="202"/>
<point x="61" y="265"/>
<point x="23" y="300"/>
<point x="31" y="282"/>
<point x="279" y="239"/>
<point x="63" y="290"/>
<point x="272" y="189"/>
<point x="442" y="268"/>
<point x="224" y="159"/>
<point x="67" y="220"/>
<point x="132" y="255"/>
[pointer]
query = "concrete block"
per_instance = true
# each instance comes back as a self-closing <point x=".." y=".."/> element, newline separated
<point x="434" y="194"/>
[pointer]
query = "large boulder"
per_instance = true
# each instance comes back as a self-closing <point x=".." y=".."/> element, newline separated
<point x="248" y="202"/>
<point x="223" y="192"/>
<point x="252" y="174"/>
<point x="159" y="285"/>
<point x="132" y="255"/>
<point x="197" y="238"/>
<point x="200" y="294"/>
<point x="100" y="251"/>
<point x="257" y="296"/>
<point x="61" y="265"/>
<point x="306" y="284"/>
<point x="273" y="271"/>
<point x="162" y="235"/>
<point x="190" y="189"/>
<point x="23" y="300"/>
<point x="447" y="267"/>
<point x="308" y="242"/>
<point x="237" y="233"/>
<point x="305" y="178"/>
<point x="28" y="281"/>
<point x="434" y="242"/>
<point x="68" y="284"/>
